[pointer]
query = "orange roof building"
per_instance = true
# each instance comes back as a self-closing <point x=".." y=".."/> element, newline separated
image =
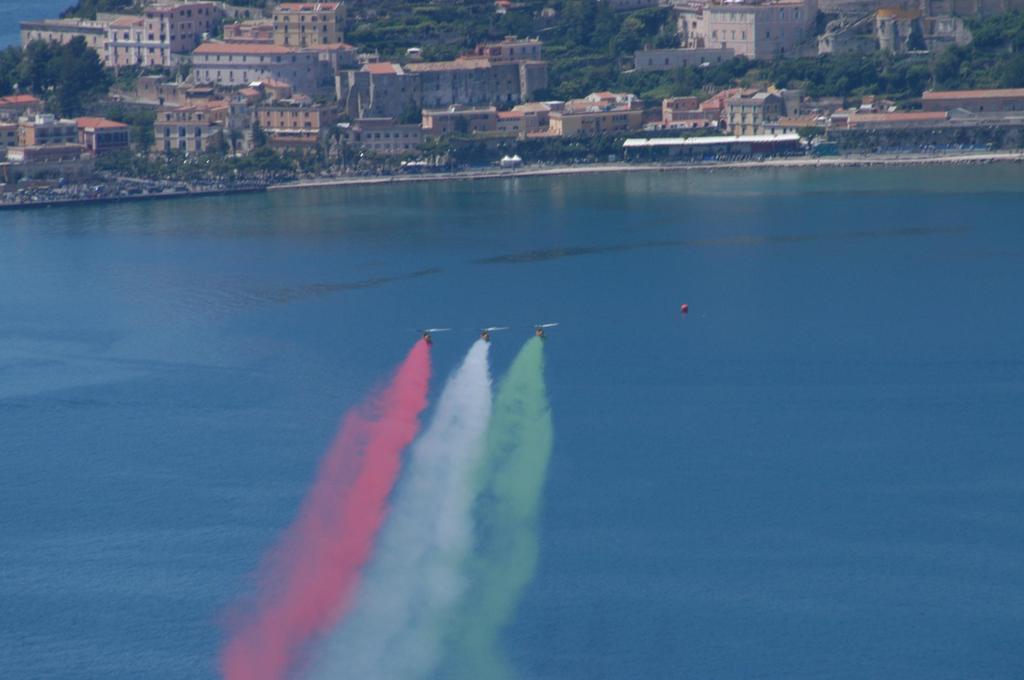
<point x="18" y="105"/>
<point x="102" y="136"/>
<point x="1000" y="101"/>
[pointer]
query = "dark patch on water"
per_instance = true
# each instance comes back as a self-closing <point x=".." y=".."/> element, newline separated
<point x="285" y="295"/>
<point x="741" y="240"/>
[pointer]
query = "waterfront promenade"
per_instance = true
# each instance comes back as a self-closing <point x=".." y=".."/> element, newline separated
<point x="39" y="199"/>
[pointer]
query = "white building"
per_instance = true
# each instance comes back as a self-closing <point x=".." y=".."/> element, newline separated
<point x="306" y="70"/>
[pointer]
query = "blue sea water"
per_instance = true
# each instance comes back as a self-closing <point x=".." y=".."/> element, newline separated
<point x="14" y="11"/>
<point x="816" y="474"/>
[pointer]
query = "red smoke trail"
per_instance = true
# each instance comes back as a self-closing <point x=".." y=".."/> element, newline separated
<point x="308" y="578"/>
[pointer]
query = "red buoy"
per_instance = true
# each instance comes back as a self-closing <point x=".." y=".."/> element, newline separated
<point x="684" y="308"/>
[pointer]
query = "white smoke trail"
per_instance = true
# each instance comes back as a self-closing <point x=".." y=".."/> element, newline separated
<point x="394" y="630"/>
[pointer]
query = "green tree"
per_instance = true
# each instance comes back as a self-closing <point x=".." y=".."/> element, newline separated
<point x="411" y="114"/>
<point x="87" y="9"/>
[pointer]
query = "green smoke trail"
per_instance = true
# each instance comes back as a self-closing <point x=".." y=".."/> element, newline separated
<point x="511" y="478"/>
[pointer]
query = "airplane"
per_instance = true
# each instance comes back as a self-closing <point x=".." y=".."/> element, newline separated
<point x="485" y="333"/>
<point x="539" y="329"/>
<point x="427" y="333"/>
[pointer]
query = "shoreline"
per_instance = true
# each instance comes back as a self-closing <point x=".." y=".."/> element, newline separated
<point x="983" y="157"/>
<point x="67" y="202"/>
<point x="799" y="162"/>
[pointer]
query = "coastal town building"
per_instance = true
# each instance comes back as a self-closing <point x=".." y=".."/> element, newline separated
<point x="101" y="136"/>
<point x="683" y="148"/>
<point x="43" y="129"/>
<point x="596" y="114"/>
<point x="525" y="119"/>
<point x="1002" y="101"/>
<point x="295" y="124"/>
<point x="171" y="30"/>
<point x="8" y="137"/>
<point x="60" y="160"/>
<point x="389" y="90"/>
<point x="189" y="129"/>
<point x="253" y="31"/>
<point x="747" y="112"/>
<point x="687" y="112"/>
<point x="669" y="59"/>
<point x="511" y="49"/>
<point x="63" y="31"/>
<point x="378" y="90"/>
<point x="786" y="125"/>
<point x="381" y="135"/>
<point x="125" y="43"/>
<point x="15" y="106"/>
<point x="478" y="81"/>
<point x="747" y="115"/>
<point x="157" y="90"/>
<point x="899" y="30"/>
<point x="890" y="120"/>
<point x="309" y="71"/>
<point x="459" y="120"/>
<point x="756" y="29"/>
<point x="307" y="24"/>
<point x="161" y="36"/>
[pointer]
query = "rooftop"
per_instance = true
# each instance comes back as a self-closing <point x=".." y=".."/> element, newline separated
<point x="88" y="122"/>
<point x="972" y="94"/>
<point x="456" y="110"/>
<point x="702" y="141"/>
<point x="462" y="63"/>
<point x="383" y="67"/>
<point x="307" y="7"/>
<point x="83" y="25"/>
<point x="241" y="48"/>
<point x="126" y="22"/>
<point x="898" y="117"/>
<point x="19" y="99"/>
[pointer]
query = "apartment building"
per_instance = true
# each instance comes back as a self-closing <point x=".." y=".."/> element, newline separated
<point x="525" y="119"/>
<point x="460" y="120"/>
<point x="63" y="31"/>
<point x="125" y="43"/>
<point x="747" y="115"/>
<point x="381" y="135"/>
<point x="44" y="129"/>
<point x="307" y="24"/>
<point x="296" y="123"/>
<point x="161" y="36"/>
<point x="189" y="129"/>
<point x="597" y="114"/>
<point x="687" y="112"/>
<point x="308" y="71"/>
<point x="177" y="28"/>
